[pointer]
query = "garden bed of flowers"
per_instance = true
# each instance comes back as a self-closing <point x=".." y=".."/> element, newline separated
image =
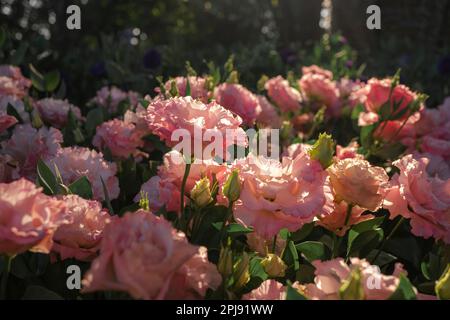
<point x="351" y="201"/>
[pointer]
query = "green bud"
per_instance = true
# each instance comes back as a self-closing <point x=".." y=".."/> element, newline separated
<point x="443" y="285"/>
<point x="352" y="289"/>
<point x="143" y="201"/>
<point x="241" y="273"/>
<point x="173" y="89"/>
<point x="233" y="77"/>
<point x="274" y="266"/>
<point x="36" y="120"/>
<point x="201" y="193"/>
<point x="323" y="150"/>
<point x="232" y="187"/>
<point x="262" y="82"/>
<point x="225" y="264"/>
<point x="190" y="71"/>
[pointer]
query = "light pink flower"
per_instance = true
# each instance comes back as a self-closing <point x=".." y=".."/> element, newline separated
<point x="27" y="145"/>
<point x="164" y="189"/>
<point x="76" y="162"/>
<point x="143" y="255"/>
<point x="350" y="151"/>
<point x="111" y="97"/>
<point x="6" y="122"/>
<point x="320" y="91"/>
<point x="55" y="111"/>
<point x="80" y="239"/>
<point x="295" y="149"/>
<point x="277" y="195"/>
<point x="197" y="84"/>
<point x="17" y="104"/>
<point x="357" y="182"/>
<point x="335" y="221"/>
<point x="28" y="218"/>
<point x="329" y="276"/>
<point x="262" y="246"/>
<point x="268" y="115"/>
<point x="12" y="82"/>
<point x="350" y="92"/>
<point x="283" y="95"/>
<point x="268" y="290"/>
<point x="121" y="138"/>
<point x="437" y="141"/>
<point x="314" y="69"/>
<point x="196" y="118"/>
<point x="239" y="100"/>
<point x="421" y="196"/>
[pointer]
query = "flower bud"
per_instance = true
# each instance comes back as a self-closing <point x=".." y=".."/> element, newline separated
<point x="201" y="193"/>
<point x="443" y="285"/>
<point x="274" y="266"/>
<point x="225" y="264"/>
<point x="241" y="272"/>
<point x="352" y="289"/>
<point x="323" y="150"/>
<point x="232" y="187"/>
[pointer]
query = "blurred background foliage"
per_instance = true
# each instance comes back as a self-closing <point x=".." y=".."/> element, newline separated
<point x="130" y="43"/>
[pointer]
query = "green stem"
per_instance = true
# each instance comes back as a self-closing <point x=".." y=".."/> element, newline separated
<point x="337" y="245"/>
<point x="227" y="218"/>
<point x="386" y="239"/>
<point x="183" y="186"/>
<point x="4" y="278"/>
<point x="274" y="244"/>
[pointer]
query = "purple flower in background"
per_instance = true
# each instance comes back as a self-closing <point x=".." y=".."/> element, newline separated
<point x="152" y="59"/>
<point x="288" y="56"/>
<point x="444" y="65"/>
<point x="98" y="69"/>
<point x="349" y="64"/>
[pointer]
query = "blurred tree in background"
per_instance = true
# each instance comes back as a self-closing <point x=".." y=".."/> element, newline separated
<point x="129" y="43"/>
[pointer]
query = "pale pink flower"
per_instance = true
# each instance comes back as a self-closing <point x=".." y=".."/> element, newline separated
<point x="28" y="218"/>
<point x="262" y="246"/>
<point x="80" y="239"/>
<point x="314" y="69"/>
<point x="239" y="100"/>
<point x="268" y="290"/>
<point x="350" y="92"/>
<point x="277" y="195"/>
<point x="17" y="104"/>
<point x="197" y="84"/>
<point x="164" y="189"/>
<point x="420" y="195"/>
<point x="143" y="255"/>
<point x="196" y="118"/>
<point x="335" y="221"/>
<point x="12" y="82"/>
<point x="437" y="141"/>
<point x="320" y="91"/>
<point x="111" y="97"/>
<point x="121" y="138"/>
<point x="76" y="162"/>
<point x="268" y="115"/>
<point x="357" y="182"/>
<point x="6" y="122"/>
<point x="329" y="276"/>
<point x="56" y="112"/>
<point x="296" y="148"/>
<point x="283" y="95"/>
<point x="27" y="145"/>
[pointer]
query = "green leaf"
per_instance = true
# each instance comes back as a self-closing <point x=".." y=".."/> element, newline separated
<point x="304" y="232"/>
<point x="323" y="150"/>
<point x="34" y="292"/>
<point x="10" y="110"/>
<point x="404" y="291"/>
<point x="18" y="56"/>
<point x="188" y="87"/>
<point x="294" y="294"/>
<point x="356" y="111"/>
<point x="383" y="258"/>
<point x="352" y="289"/>
<point x="46" y="179"/>
<point x="2" y="37"/>
<point x="52" y="80"/>
<point x="313" y="250"/>
<point x="237" y="229"/>
<point x="365" y="241"/>
<point x="290" y="256"/>
<point x="93" y="119"/>
<point x="367" y="225"/>
<point x="366" y="137"/>
<point x="107" y="198"/>
<point x="37" y="79"/>
<point x="81" y="187"/>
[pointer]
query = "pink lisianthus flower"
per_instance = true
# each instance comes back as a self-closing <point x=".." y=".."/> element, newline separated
<point x="121" y="138"/>
<point x="80" y="239"/>
<point x="359" y="183"/>
<point x="56" y="112"/>
<point x="239" y="100"/>
<point x="111" y="97"/>
<point x="283" y="95"/>
<point x="329" y="276"/>
<point x="6" y="121"/>
<point x="277" y="195"/>
<point x="17" y="104"/>
<point x="76" y="162"/>
<point x="321" y="91"/>
<point x="165" y="118"/>
<point x="335" y="221"/>
<point x="28" y="218"/>
<point x="268" y="115"/>
<point x="314" y="69"/>
<point x="27" y="145"/>
<point x="350" y="92"/>
<point x="12" y="82"/>
<point x="164" y="189"/>
<point x="142" y="254"/>
<point x="268" y="290"/>
<point x="263" y="246"/>
<point x="350" y="151"/>
<point x="197" y="84"/>
<point x="419" y="194"/>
